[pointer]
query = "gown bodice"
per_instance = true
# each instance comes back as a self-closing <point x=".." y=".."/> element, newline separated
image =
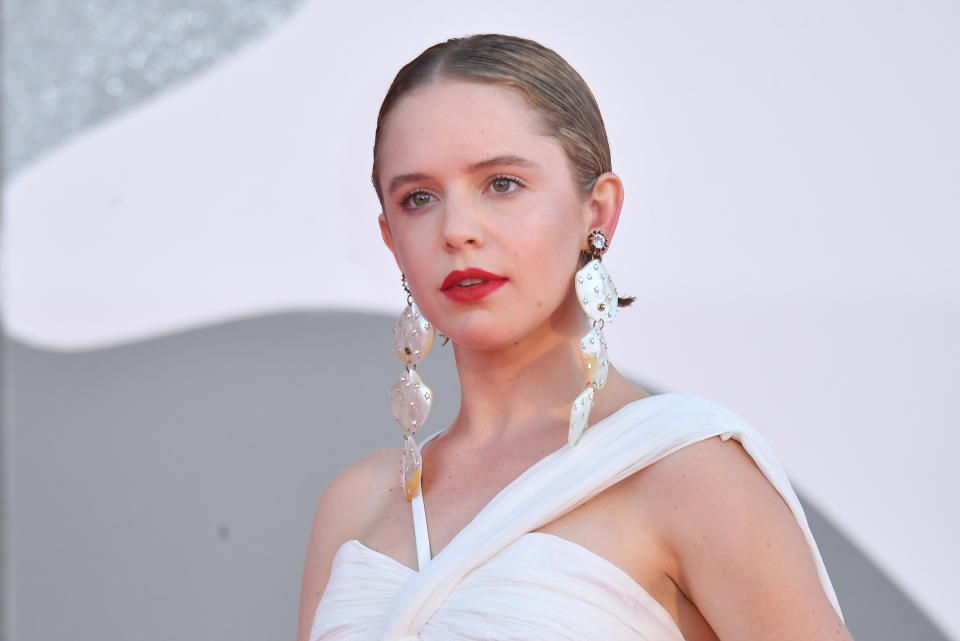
<point x="499" y="579"/>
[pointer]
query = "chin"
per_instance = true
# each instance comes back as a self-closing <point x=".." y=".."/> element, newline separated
<point x="482" y="334"/>
<point x="501" y="333"/>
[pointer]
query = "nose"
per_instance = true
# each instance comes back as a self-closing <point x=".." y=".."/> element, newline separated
<point x="462" y="225"/>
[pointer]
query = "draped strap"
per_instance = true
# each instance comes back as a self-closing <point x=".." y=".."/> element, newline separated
<point x="614" y="448"/>
<point x="420" y="532"/>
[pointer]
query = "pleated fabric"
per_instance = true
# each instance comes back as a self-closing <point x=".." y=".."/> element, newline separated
<point x="498" y="579"/>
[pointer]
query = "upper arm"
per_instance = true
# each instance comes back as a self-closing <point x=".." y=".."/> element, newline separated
<point x="316" y="569"/>
<point x="344" y="507"/>
<point x="741" y="556"/>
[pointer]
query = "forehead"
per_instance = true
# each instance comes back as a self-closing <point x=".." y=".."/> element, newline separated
<point x="454" y="120"/>
<point x="488" y="99"/>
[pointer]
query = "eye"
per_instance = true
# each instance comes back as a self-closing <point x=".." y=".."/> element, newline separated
<point x="505" y="184"/>
<point x="416" y="200"/>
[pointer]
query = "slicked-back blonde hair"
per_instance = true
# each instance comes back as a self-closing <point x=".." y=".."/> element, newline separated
<point x="552" y="88"/>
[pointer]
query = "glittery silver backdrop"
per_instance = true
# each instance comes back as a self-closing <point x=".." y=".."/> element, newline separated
<point x="68" y="64"/>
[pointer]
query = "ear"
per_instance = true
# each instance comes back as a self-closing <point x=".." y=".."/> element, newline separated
<point x="388" y="238"/>
<point x="604" y="205"/>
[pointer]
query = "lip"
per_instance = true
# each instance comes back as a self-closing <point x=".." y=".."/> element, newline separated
<point x="473" y="292"/>
<point x="457" y="275"/>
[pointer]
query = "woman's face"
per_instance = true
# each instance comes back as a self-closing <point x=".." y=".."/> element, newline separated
<point x="469" y="183"/>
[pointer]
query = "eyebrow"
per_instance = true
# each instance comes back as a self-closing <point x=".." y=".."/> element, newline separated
<point x="513" y="161"/>
<point x="396" y="181"/>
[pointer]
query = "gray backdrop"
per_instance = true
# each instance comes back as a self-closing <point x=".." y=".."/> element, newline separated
<point x="165" y="490"/>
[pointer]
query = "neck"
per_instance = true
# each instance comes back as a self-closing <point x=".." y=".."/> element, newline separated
<point x="525" y="384"/>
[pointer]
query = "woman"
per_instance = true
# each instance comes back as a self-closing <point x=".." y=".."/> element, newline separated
<point x="493" y="170"/>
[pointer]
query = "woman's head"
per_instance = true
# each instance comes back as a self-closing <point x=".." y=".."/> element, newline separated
<point x="552" y="88"/>
<point x="479" y="181"/>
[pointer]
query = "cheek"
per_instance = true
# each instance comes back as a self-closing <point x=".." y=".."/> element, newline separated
<point x="551" y="259"/>
<point x="560" y="243"/>
<point x="409" y="243"/>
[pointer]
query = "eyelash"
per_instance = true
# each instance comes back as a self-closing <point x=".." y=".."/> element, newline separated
<point x="404" y="202"/>
<point x="513" y="179"/>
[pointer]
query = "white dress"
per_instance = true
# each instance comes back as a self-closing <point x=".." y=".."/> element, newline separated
<point x="497" y="579"/>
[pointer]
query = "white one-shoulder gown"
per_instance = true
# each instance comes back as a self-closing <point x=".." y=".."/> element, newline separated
<point x="498" y="579"/>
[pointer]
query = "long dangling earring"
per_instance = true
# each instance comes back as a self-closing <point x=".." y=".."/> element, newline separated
<point x="598" y="297"/>
<point x="410" y="398"/>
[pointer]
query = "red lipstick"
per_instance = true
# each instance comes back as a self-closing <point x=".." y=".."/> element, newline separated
<point x="471" y="284"/>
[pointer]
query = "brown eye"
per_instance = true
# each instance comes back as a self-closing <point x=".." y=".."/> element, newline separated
<point x="501" y="185"/>
<point x="417" y="199"/>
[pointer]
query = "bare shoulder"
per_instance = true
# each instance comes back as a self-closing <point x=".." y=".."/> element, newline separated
<point x="736" y="547"/>
<point x="712" y="489"/>
<point x="346" y="507"/>
<point x="355" y="494"/>
<point x="707" y="470"/>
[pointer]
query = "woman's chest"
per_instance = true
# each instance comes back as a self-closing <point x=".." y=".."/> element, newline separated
<point x="457" y="485"/>
<point x="614" y="527"/>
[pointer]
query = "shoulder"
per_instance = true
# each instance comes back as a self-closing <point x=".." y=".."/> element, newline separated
<point x="353" y="499"/>
<point x="354" y="496"/>
<point x="713" y="482"/>
<point x="713" y="498"/>
<point x="702" y="461"/>
<point x="707" y="470"/>
<point x="735" y="545"/>
<point x="348" y="504"/>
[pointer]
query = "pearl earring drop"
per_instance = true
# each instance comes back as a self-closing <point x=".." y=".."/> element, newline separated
<point x="410" y="398"/>
<point x="598" y="298"/>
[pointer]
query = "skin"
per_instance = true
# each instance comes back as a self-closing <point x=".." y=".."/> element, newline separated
<point x="701" y="530"/>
